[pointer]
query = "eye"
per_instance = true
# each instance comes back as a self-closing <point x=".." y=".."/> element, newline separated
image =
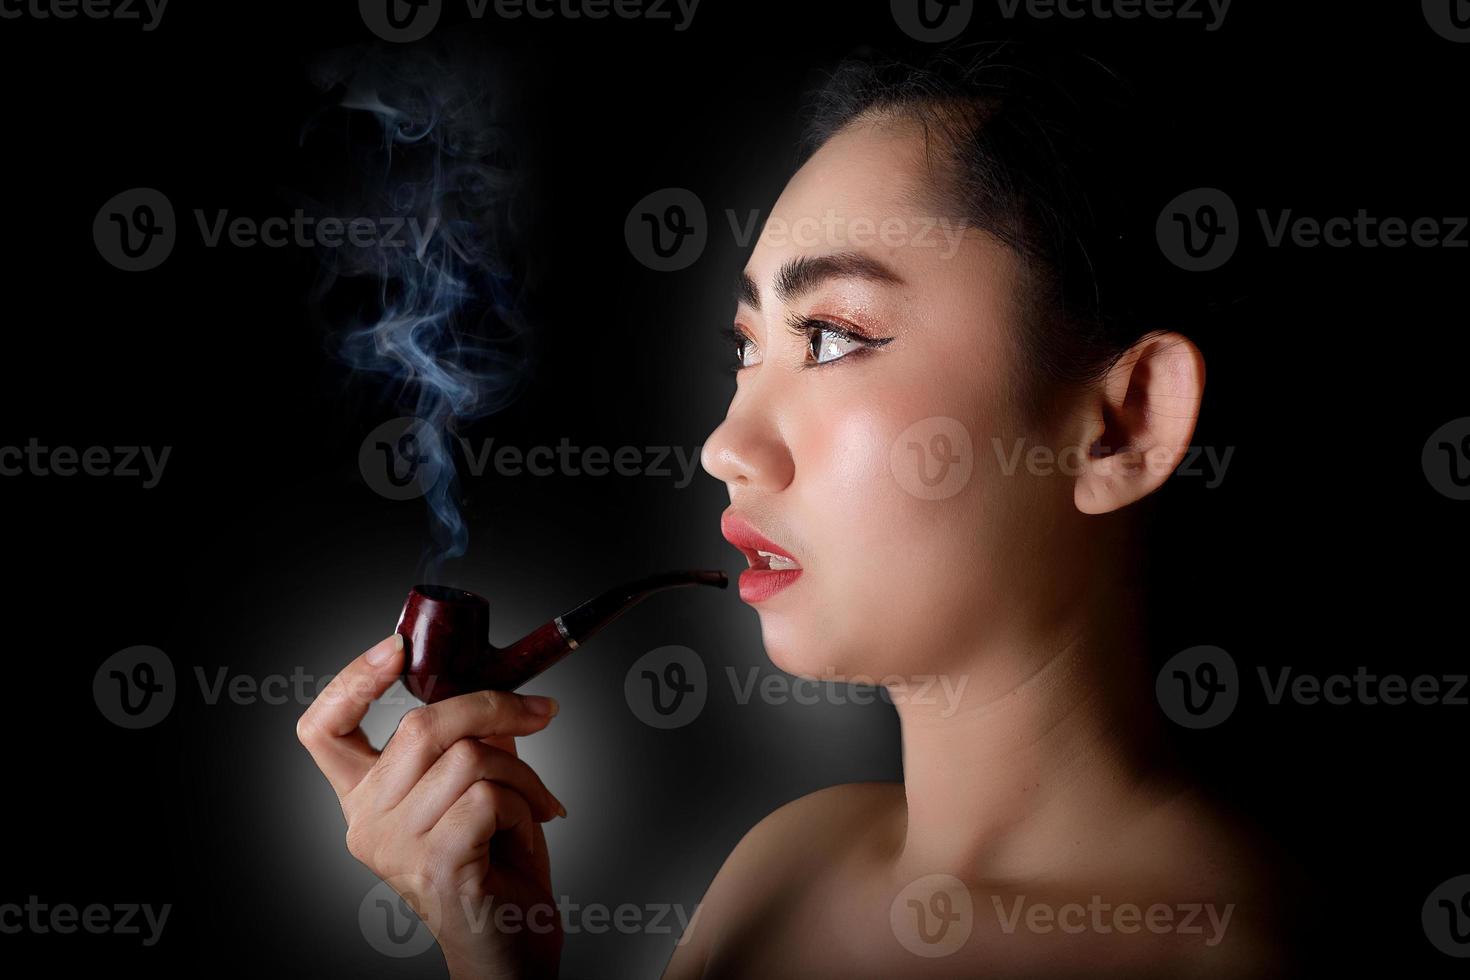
<point x="827" y="342"/>
<point x="828" y="345"/>
<point x="747" y="352"/>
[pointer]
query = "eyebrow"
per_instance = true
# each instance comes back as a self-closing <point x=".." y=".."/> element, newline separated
<point x="805" y="273"/>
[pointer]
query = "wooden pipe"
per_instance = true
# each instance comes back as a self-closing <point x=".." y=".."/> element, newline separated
<point x="447" y="635"/>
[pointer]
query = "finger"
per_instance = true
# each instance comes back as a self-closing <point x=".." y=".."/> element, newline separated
<point x="484" y="810"/>
<point x="465" y="762"/>
<point x="425" y="733"/>
<point x="329" y="727"/>
<point x="505" y="743"/>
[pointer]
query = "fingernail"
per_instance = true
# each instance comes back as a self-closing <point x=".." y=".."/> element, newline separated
<point x="538" y="705"/>
<point x="383" y="652"/>
<point x="561" y="811"/>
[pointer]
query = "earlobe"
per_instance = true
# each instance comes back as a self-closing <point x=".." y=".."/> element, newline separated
<point x="1146" y="410"/>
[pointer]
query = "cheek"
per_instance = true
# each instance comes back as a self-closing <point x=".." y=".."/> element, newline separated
<point x="893" y="557"/>
<point x="872" y="523"/>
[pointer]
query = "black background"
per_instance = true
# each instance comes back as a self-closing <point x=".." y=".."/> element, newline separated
<point x="263" y="551"/>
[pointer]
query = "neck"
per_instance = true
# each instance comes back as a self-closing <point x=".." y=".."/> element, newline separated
<point x="1050" y="748"/>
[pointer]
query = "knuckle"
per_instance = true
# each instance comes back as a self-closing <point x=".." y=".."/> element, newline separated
<point x="358" y="844"/>
<point x="428" y="866"/>
<point x="306" y="730"/>
<point x="481" y="796"/>
<point x="417" y="725"/>
<point x="464" y="754"/>
<point x="494" y="701"/>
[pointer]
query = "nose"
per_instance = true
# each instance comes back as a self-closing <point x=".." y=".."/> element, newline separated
<point x="746" y="451"/>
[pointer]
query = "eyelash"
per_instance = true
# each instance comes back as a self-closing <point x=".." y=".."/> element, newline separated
<point x="807" y="328"/>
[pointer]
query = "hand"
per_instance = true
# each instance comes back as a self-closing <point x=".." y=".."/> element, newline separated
<point x="447" y="813"/>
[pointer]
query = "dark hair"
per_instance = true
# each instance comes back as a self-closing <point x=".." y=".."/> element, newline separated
<point x="1052" y="153"/>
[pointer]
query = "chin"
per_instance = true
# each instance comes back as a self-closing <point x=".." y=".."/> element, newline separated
<point x="803" y="650"/>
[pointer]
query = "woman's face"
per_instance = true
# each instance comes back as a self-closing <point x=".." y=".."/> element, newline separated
<point x="878" y="461"/>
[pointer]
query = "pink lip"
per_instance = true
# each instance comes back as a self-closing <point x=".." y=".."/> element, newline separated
<point x="757" y="582"/>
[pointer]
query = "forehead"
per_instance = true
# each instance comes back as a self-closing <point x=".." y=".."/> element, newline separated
<point x="871" y="168"/>
<point x="870" y="199"/>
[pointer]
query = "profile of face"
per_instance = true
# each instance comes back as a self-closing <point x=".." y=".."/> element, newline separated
<point x="877" y="434"/>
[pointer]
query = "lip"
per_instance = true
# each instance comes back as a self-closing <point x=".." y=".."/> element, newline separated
<point x="757" y="582"/>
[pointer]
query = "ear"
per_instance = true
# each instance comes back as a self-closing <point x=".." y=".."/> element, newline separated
<point x="1140" y="422"/>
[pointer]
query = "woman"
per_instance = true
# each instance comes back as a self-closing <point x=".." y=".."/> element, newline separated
<point x="957" y="375"/>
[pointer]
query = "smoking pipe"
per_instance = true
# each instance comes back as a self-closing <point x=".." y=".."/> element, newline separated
<point x="447" y="633"/>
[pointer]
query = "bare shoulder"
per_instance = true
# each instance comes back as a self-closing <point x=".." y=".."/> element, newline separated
<point x="832" y="817"/>
<point x="1191" y="838"/>
<point x="791" y="845"/>
<point x="808" y="833"/>
<point x="1207" y="857"/>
